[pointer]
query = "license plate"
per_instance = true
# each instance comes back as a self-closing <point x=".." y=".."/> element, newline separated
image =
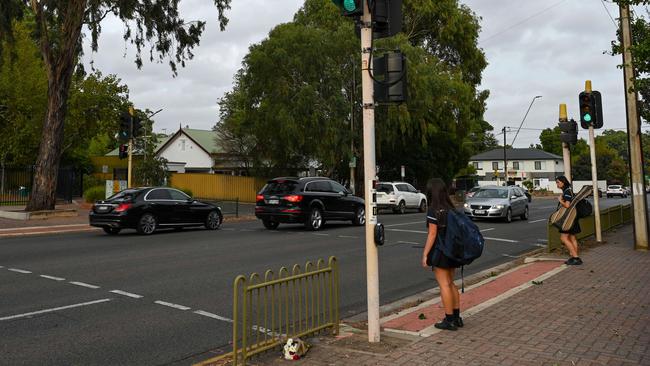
<point x="102" y="208"/>
<point x="480" y="212"/>
<point x="273" y="202"/>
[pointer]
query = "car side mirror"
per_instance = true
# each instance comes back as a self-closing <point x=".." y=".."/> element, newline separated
<point x="513" y="197"/>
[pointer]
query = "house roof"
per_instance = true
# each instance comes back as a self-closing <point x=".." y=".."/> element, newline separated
<point x="515" y="154"/>
<point x="161" y="141"/>
<point x="206" y="139"/>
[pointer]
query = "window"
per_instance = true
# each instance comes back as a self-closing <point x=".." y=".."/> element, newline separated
<point x="279" y="187"/>
<point x="319" y="186"/>
<point x="495" y="165"/>
<point x="536" y="182"/>
<point x="336" y="187"/>
<point x="178" y="195"/>
<point x="183" y="145"/>
<point x="515" y="165"/>
<point x="411" y="188"/>
<point x="158" y="194"/>
<point x="402" y="187"/>
<point x="386" y="188"/>
<point x="538" y="165"/>
<point x="475" y="164"/>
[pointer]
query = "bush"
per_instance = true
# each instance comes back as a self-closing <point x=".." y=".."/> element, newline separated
<point x="187" y="191"/>
<point x="528" y="184"/>
<point x="96" y="193"/>
<point x="90" y="181"/>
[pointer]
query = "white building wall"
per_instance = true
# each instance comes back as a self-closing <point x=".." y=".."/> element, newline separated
<point x="183" y="149"/>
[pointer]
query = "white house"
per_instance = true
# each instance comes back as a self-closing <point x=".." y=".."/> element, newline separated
<point x="535" y="165"/>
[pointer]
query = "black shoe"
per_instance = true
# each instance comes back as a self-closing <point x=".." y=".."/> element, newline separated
<point x="446" y="325"/>
<point x="574" y="261"/>
<point x="458" y="322"/>
<point x="569" y="261"/>
<point x="578" y="261"/>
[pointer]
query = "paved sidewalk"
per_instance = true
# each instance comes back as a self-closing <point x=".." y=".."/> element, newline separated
<point x="595" y="314"/>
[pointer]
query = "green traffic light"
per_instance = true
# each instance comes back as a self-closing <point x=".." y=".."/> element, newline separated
<point x="349" y="5"/>
<point x="587" y="117"/>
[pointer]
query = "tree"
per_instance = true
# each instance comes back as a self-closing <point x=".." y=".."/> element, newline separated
<point x="57" y="32"/>
<point x="299" y="112"/>
<point x="550" y="139"/>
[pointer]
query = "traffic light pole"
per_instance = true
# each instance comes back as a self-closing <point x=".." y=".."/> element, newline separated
<point x="130" y="169"/>
<point x="566" y="153"/>
<point x="505" y="159"/>
<point x="594" y="182"/>
<point x="639" y="203"/>
<point x="369" y="170"/>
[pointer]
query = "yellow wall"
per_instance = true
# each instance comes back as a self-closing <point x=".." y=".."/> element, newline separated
<point x="218" y="186"/>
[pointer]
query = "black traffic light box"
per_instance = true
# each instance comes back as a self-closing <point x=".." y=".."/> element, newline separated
<point x="137" y="126"/>
<point x="591" y="109"/>
<point x="569" y="132"/>
<point x="386" y="18"/>
<point x="124" y="151"/>
<point x="125" y="127"/>
<point x="390" y="79"/>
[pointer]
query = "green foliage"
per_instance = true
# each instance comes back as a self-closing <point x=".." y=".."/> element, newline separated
<point x="298" y="93"/>
<point x="92" y="181"/>
<point x="528" y="184"/>
<point x="96" y="193"/>
<point x="550" y="139"/>
<point x="150" y="170"/>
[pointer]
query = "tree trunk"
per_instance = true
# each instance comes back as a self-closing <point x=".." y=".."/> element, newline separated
<point x="59" y="64"/>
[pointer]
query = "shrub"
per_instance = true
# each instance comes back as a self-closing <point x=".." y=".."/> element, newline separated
<point x="96" y="193"/>
<point x="528" y="184"/>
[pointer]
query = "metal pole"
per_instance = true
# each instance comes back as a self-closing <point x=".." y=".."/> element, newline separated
<point x="566" y="153"/>
<point x="522" y="121"/>
<point x="354" y="85"/>
<point x="505" y="159"/>
<point x="594" y="182"/>
<point x="130" y="168"/>
<point x="639" y="204"/>
<point x="369" y="172"/>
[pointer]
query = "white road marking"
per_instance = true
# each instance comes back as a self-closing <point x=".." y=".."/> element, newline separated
<point x="129" y="294"/>
<point x="53" y="278"/>
<point x="213" y="316"/>
<point x="510" y="256"/>
<point x="499" y="239"/>
<point x="489" y="229"/>
<point x="408" y="242"/>
<point x="319" y="234"/>
<point x="83" y="284"/>
<point x="421" y="222"/>
<point x="408" y="231"/>
<point x="542" y="240"/>
<point x="540" y="245"/>
<point x="18" y="270"/>
<point x="532" y="222"/>
<point x="2" y="267"/>
<point x="172" y="305"/>
<point x="43" y="227"/>
<point x="54" y="309"/>
<point x="348" y="236"/>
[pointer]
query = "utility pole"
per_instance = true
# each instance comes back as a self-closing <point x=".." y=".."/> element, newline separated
<point x="353" y="159"/>
<point x="130" y="169"/>
<point x="505" y="159"/>
<point x="639" y="203"/>
<point x="566" y="153"/>
<point x="594" y="172"/>
<point x="369" y="168"/>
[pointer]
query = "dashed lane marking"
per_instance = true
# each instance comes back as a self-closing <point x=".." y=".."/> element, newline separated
<point x="499" y="239"/>
<point x="408" y="231"/>
<point x="320" y="234"/>
<point x="348" y="236"/>
<point x="54" y="309"/>
<point x="129" y="294"/>
<point x="488" y="229"/>
<point x="18" y="270"/>
<point x="532" y="222"/>
<point x="172" y="305"/>
<point x="407" y="223"/>
<point x="53" y="278"/>
<point x="83" y="284"/>
<point x="542" y="240"/>
<point x="213" y="316"/>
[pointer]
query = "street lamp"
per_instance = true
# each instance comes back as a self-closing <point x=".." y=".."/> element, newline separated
<point x="522" y="121"/>
<point x="505" y="159"/>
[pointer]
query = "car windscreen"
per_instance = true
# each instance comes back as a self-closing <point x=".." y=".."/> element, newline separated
<point x="491" y="193"/>
<point x="124" y="196"/>
<point x="614" y="187"/>
<point x="279" y="187"/>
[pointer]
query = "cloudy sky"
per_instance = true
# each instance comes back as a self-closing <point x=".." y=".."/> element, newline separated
<point x="546" y="48"/>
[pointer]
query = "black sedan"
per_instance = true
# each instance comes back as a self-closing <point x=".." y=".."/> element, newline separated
<point x="148" y="209"/>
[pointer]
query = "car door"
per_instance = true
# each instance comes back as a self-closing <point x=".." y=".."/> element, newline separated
<point x="161" y="205"/>
<point x="183" y="208"/>
<point x="322" y="191"/>
<point x="402" y="193"/>
<point x="343" y="205"/>
<point x="519" y="200"/>
<point x="414" y="196"/>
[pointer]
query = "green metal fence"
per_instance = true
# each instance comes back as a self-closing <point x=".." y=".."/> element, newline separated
<point x="609" y="218"/>
<point x="268" y="311"/>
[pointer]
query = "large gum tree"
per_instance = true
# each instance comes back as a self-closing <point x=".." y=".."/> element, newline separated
<point x="57" y="30"/>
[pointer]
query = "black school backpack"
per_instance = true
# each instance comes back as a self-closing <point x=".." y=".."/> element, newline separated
<point x="583" y="208"/>
<point x="463" y="241"/>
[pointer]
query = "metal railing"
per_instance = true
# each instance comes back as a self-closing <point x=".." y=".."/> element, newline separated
<point x="266" y="313"/>
<point x="609" y="218"/>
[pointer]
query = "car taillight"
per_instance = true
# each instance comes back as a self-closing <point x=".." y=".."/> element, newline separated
<point x="259" y="197"/>
<point x="293" y="198"/>
<point x="123" y="207"/>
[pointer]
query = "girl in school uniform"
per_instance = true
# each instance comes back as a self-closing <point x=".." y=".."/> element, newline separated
<point x="568" y="237"/>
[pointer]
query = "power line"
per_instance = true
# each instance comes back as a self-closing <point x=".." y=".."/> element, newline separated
<point x="608" y="13"/>
<point x="523" y="21"/>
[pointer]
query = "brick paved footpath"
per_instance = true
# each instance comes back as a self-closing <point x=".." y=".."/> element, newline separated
<point x="595" y="314"/>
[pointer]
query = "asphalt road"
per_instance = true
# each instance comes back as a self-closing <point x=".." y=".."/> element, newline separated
<point x="165" y="299"/>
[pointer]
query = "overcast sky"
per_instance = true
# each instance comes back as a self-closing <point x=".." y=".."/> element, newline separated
<point x="546" y="48"/>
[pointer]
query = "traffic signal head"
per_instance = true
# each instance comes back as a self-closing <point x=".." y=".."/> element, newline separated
<point x="591" y="109"/>
<point x="390" y="84"/>
<point x="125" y="127"/>
<point x="137" y="126"/>
<point x="569" y="131"/>
<point x="124" y="151"/>
<point x="350" y="8"/>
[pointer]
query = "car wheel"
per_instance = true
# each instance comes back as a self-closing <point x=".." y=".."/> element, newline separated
<point x="508" y="217"/>
<point x="524" y="216"/>
<point x="271" y="225"/>
<point x="147" y="224"/>
<point x="423" y="206"/>
<point x="111" y="230"/>
<point x="359" y="216"/>
<point x="315" y="219"/>
<point x="214" y="220"/>
<point x="401" y="208"/>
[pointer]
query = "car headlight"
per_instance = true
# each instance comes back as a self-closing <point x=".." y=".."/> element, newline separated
<point x="466" y="205"/>
<point x="498" y="207"/>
